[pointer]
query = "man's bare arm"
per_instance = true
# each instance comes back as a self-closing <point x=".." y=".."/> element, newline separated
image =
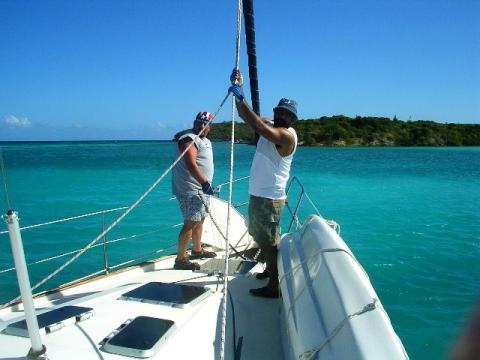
<point x="278" y="136"/>
<point x="190" y="160"/>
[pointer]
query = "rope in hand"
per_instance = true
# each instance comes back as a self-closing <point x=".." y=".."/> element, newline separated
<point x="124" y="214"/>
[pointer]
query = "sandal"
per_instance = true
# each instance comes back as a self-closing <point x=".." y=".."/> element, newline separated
<point x="203" y="254"/>
<point x="185" y="264"/>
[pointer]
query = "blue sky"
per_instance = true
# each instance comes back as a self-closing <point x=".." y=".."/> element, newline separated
<point x="86" y="70"/>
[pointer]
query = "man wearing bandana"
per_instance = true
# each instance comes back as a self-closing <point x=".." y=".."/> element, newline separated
<point x="192" y="185"/>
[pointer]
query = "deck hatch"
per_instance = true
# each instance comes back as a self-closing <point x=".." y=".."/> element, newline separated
<point x="53" y="320"/>
<point x="142" y="337"/>
<point x="177" y="295"/>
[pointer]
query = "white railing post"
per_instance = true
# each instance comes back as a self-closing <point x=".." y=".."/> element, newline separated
<point x="38" y="349"/>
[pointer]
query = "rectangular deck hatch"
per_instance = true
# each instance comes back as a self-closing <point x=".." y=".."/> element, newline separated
<point x="142" y="337"/>
<point x="177" y="295"/>
<point x="53" y="320"/>
<point x="235" y="267"/>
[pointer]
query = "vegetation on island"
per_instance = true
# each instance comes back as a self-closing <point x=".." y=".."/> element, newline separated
<point x="340" y="130"/>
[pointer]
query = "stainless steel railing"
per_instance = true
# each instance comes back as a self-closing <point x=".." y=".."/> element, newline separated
<point x="293" y="211"/>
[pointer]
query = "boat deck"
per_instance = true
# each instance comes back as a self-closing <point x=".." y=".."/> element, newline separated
<point x="252" y="323"/>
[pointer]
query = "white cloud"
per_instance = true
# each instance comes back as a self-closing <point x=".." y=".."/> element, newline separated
<point x="13" y="121"/>
<point x="160" y="125"/>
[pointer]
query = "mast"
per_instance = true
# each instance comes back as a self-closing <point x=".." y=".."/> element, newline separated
<point x="252" y="56"/>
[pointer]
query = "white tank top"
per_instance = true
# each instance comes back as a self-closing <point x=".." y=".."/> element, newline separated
<point x="270" y="171"/>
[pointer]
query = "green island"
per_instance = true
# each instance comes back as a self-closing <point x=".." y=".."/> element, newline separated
<point x="340" y="130"/>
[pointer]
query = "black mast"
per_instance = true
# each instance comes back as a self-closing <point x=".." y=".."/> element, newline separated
<point x="252" y="56"/>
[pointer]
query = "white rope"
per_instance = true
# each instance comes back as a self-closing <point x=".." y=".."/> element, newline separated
<point x="312" y="204"/>
<point x="304" y="261"/>
<point x="334" y="225"/>
<point x="103" y="211"/>
<point x="230" y="187"/>
<point x="124" y="214"/>
<point x="109" y="241"/>
<point x="309" y="354"/>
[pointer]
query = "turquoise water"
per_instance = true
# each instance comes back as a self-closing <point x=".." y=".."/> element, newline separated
<point x="410" y="215"/>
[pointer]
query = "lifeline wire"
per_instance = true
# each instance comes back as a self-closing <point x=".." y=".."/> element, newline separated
<point x="113" y="240"/>
<point x="100" y="212"/>
<point x="122" y="216"/>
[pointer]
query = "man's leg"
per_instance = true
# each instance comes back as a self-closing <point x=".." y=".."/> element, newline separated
<point x="190" y="208"/>
<point x="197" y="236"/>
<point x="182" y="262"/>
<point x="197" y="251"/>
<point x="183" y="237"/>
<point x="264" y="218"/>
<point x="272" y="268"/>
<point x="271" y="290"/>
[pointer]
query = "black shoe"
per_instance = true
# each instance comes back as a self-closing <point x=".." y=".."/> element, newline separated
<point x="185" y="264"/>
<point x="263" y="275"/>
<point x="265" y="292"/>
<point x="204" y="254"/>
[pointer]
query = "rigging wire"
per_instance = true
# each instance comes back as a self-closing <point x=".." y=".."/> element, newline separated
<point x="124" y="238"/>
<point x="4" y="180"/>
<point x="230" y="187"/>
<point x="150" y="188"/>
<point x="124" y="214"/>
<point x="100" y="212"/>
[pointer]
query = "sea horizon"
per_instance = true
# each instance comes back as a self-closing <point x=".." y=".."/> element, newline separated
<point x="13" y="142"/>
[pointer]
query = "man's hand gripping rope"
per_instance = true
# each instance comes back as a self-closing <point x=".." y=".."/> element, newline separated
<point x="236" y="80"/>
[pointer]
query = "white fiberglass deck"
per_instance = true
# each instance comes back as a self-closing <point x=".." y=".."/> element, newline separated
<point x="197" y="327"/>
<point x="328" y="309"/>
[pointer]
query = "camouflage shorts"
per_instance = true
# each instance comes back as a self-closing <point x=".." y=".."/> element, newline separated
<point x="193" y="206"/>
<point x="264" y="219"/>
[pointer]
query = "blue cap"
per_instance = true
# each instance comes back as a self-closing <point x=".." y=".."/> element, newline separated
<point x="289" y="105"/>
<point x="203" y="117"/>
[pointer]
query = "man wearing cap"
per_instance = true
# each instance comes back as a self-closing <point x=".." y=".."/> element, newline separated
<point x="192" y="185"/>
<point x="269" y="174"/>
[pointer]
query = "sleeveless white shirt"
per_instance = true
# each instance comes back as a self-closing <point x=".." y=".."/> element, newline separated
<point x="270" y="171"/>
